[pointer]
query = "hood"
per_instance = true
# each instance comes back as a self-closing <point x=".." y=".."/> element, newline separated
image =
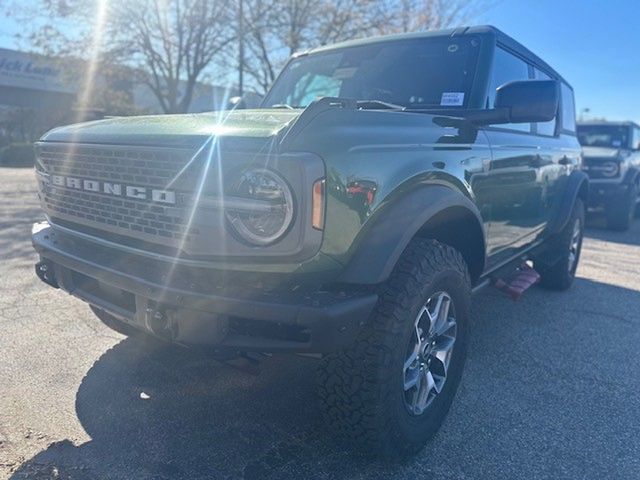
<point x="600" y="152"/>
<point x="242" y="129"/>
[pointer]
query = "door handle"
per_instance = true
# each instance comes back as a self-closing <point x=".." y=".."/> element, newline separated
<point x="537" y="162"/>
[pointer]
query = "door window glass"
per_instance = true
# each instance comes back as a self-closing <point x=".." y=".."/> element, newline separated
<point x="507" y="68"/>
<point x="636" y="139"/>
<point x="568" y="108"/>
<point x="545" y="128"/>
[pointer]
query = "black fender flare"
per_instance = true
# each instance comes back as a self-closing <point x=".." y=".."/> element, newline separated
<point x="632" y="175"/>
<point x="577" y="185"/>
<point x="379" y="245"/>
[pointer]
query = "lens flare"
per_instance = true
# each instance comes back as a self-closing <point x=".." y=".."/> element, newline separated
<point x="89" y="77"/>
<point x="91" y="67"/>
<point x="210" y="150"/>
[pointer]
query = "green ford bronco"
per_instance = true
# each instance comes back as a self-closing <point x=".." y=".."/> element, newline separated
<point x="611" y="153"/>
<point x="351" y="217"/>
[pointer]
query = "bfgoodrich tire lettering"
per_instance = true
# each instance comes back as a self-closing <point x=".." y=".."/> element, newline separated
<point x="362" y="389"/>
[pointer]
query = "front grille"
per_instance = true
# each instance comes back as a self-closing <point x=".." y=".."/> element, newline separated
<point x="142" y="167"/>
<point x="130" y="215"/>
<point x="601" y="168"/>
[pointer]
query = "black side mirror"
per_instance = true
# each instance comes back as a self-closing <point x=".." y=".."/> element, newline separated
<point x="522" y="101"/>
<point x="529" y="100"/>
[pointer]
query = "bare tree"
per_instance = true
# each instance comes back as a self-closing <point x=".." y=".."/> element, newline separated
<point x="278" y="28"/>
<point x="168" y="44"/>
<point x="171" y="45"/>
<point x="171" y="42"/>
<point x="418" y="15"/>
<point x="275" y="29"/>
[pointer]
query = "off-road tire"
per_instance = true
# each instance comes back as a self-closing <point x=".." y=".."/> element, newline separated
<point x="620" y="212"/>
<point x="113" y="323"/>
<point x="560" y="275"/>
<point x="361" y="389"/>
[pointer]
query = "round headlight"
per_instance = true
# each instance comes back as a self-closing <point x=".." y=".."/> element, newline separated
<point x="259" y="206"/>
<point x="609" y="169"/>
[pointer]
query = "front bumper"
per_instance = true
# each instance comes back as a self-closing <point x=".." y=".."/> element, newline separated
<point x="183" y="306"/>
<point x="602" y="194"/>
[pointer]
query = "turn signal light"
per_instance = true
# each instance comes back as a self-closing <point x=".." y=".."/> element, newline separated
<point x="318" y="205"/>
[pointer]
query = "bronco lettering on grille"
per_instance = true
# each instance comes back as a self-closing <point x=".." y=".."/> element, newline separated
<point x="115" y="189"/>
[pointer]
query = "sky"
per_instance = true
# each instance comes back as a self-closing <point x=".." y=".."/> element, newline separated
<point x="593" y="44"/>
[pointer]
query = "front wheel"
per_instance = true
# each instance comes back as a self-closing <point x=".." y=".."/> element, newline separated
<point x="620" y="212"/>
<point x="391" y="391"/>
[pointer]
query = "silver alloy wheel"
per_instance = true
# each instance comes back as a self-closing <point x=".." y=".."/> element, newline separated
<point x="429" y="352"/>
<point x="574" y="246"/>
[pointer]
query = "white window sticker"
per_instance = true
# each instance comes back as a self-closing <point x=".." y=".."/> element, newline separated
<point x="344" y="72"/>
<point x="452" y="99"/>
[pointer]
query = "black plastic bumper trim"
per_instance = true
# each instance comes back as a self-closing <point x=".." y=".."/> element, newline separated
<point x="333" y="319"/>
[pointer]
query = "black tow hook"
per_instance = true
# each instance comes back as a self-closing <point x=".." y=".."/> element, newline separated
<point x="46" y="273"/>
<point x="161" y="321"/>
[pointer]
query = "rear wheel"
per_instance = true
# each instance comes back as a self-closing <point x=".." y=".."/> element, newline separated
<point x="568" y="244"/>
<point x="620" y="212"/>
<point x="391" y="391"/>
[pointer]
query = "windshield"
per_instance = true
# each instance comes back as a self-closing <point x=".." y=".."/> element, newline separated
<point x="615" y="136"/>
<point x="420" y="73"/>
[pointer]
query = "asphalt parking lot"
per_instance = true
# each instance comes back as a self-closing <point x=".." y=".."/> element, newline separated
<point x="551" y="388"/>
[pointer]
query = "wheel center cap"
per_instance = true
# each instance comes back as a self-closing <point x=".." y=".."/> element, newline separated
<point x="426" y="349"/>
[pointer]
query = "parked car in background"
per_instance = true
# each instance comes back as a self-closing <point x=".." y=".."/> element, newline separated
<point x="611" y="159"/>
<point x="381" y="182"/>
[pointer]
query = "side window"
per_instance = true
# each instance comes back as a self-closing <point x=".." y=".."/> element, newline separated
<point x="545" y="128"/>
<point x="568" y="108"/>
<point x="636" y="138"/>
<point x="507" y="68"/>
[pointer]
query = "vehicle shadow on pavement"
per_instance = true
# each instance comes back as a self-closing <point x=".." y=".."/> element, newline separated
<point x="156" y="411"/>
<point x="530" y="390"/>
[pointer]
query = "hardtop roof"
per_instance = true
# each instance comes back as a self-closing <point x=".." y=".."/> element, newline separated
<point x="482" y="30"/>
<point x="619" y="123"/>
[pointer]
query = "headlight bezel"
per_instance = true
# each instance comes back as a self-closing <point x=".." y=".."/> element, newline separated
<point x="608" y="169"/>
<point x="242" y="205"/>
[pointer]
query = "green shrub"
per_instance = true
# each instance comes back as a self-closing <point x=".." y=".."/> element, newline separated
<point x="17" y="155"/>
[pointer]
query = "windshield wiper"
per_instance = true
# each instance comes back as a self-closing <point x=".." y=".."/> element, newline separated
<point x="283" y="105"/>
<point x="362" y="104"/>
<point x="378" y="105"/>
